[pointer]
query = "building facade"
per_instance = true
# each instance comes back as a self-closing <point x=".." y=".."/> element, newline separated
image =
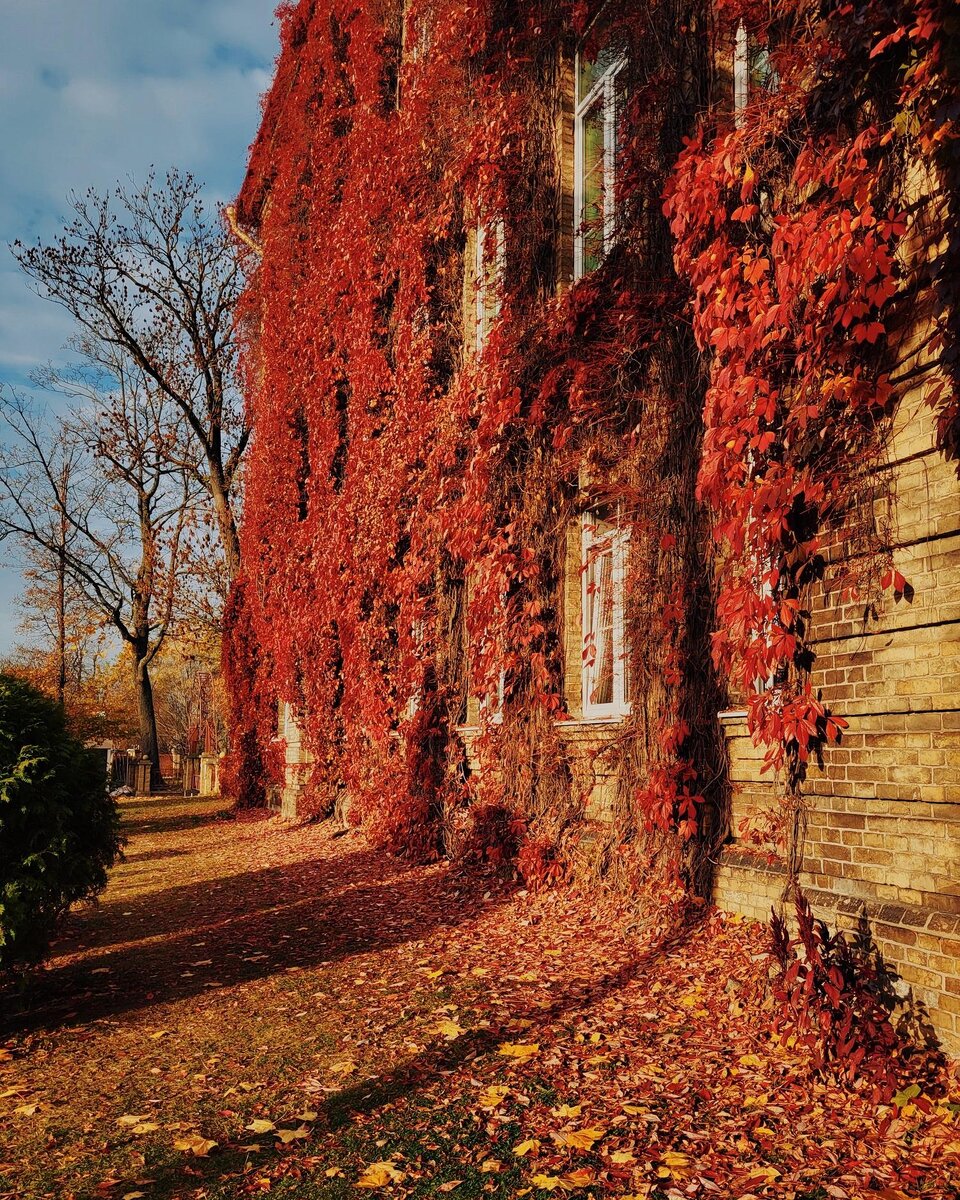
<point x="600" y="508"/>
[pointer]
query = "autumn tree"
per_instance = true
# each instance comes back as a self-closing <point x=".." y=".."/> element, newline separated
<point x="126" y="510"/>
<point x="70" y="651"/>
<point x="149" y="272"/>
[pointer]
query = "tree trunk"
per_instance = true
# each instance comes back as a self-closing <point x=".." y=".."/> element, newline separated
<point x="149" y="745"/>
<point x="61" y="625"/>
<point x="226" y="524"/>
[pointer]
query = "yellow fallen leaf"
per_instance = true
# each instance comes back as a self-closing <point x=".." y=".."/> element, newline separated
<point x="252" y="1148"/>
<point x="580" y="1139"/>
<point x="307" y="1116"/>
<point x="519" y="1049"/>
<point x="674" y="1160"/>
<point x="755" y="1101"/>
<point x="750" y="1060"/>
<point x="522" y="1148"/>
<point x="492" y="1097"/>
<point x="8" y="1092"/>
<point x="347" y="1067"/>
<point x="449" y="1029"/>
<point x="576" y="1179"/>
<point x="769" y="1174"/>
<point x="633" y="1109"/>
<point x="260" y="1126"/>
<point x="546" y="1183"/>
<point x="765" y="1130"/>
<point x="291" y="1135"/>
<point x="131" y="1119"/>
<point x="133" y="1195"/>
<point x="26" y="1110"/>
<point x="161" y="1033"/>
<point x="380" y="1174"/>
<point x="567" y="1110"/>
<point x="195" y="1145"/>
<point x="491" y="1166"/>
<point x="436" y="974"/>
<point x="145" y="1127"/>
<point x="449" y="1185"/>
<point x="622" y="1156"/>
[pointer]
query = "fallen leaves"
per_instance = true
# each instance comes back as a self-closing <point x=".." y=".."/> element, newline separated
<point x="521" y="1050"/>
<point x="525" y="1147"/>
<point x="198" y="1146"/>
<point x="493" y="1097"/>
<point x="579" y="1139"/>
<point x="259" y="1125"/>
<point x="380" y="1174"/>
<point x="450" y="1030"/>
<point x="586" y="1076"/>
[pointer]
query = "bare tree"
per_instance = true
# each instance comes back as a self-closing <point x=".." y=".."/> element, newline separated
<point x="52" y="597"/>
<point x="145" y="271"/>
<point x="126" y="507"/>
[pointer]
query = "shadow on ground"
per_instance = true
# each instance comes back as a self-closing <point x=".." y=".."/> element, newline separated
<point x="212" y="934"/>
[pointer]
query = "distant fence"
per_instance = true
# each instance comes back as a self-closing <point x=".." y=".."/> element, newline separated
<point x="122" y="771"/>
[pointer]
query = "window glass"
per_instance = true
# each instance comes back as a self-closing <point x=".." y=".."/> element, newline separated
<point x="598" y="105"/>
<point x="606" y="685"/>
<point x="489" y="265"/>
<point x="591" y="70"/>
<point x="592" y="207"/>
<point x="753" y="72"/>
<point x="598" y="640"/>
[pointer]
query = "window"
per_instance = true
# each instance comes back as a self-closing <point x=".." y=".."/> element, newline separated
<point x="753" y="72"/>
<point x="597" y="108"/>
<point x="606" y="683"/>
<point x="491" y="704"/>
<point x="488" y="273"/>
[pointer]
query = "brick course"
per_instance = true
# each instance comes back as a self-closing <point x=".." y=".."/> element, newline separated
<point x="883" y="823"/>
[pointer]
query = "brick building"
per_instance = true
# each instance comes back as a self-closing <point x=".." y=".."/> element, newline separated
<point x="882" y="809"/>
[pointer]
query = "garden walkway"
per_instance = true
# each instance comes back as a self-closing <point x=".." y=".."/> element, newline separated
<point x="255" y="1008"/>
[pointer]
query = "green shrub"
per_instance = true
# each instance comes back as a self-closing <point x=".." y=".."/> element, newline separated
<point x="59" y="829"/>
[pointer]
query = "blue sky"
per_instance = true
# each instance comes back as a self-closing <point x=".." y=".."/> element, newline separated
<point x="96" y="91"/>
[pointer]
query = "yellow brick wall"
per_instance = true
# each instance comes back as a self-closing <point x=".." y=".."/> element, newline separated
<point x="883" y="829"/>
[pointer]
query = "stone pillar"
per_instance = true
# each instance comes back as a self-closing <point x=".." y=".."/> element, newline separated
<point x="191" y="774"/>
<point x="209" y="775"/>
<point x="141" y="777"/>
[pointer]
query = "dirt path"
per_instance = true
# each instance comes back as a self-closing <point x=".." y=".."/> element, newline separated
<point x="331" y="1018"/>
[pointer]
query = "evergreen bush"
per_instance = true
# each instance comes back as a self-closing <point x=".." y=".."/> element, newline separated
<point x="59" y="828"/>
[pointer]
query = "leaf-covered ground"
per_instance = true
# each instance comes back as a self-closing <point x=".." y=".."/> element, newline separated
<point x="254" y="1008"/>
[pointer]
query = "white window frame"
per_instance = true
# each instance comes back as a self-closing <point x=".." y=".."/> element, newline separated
<point x="619" y="705"/>
<point x="741" y="74"/>
<point x="604" y="86"/>
<point x="492" y="705"/>
<point x="744" y="65"/>
<point x="488" y="283"/>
